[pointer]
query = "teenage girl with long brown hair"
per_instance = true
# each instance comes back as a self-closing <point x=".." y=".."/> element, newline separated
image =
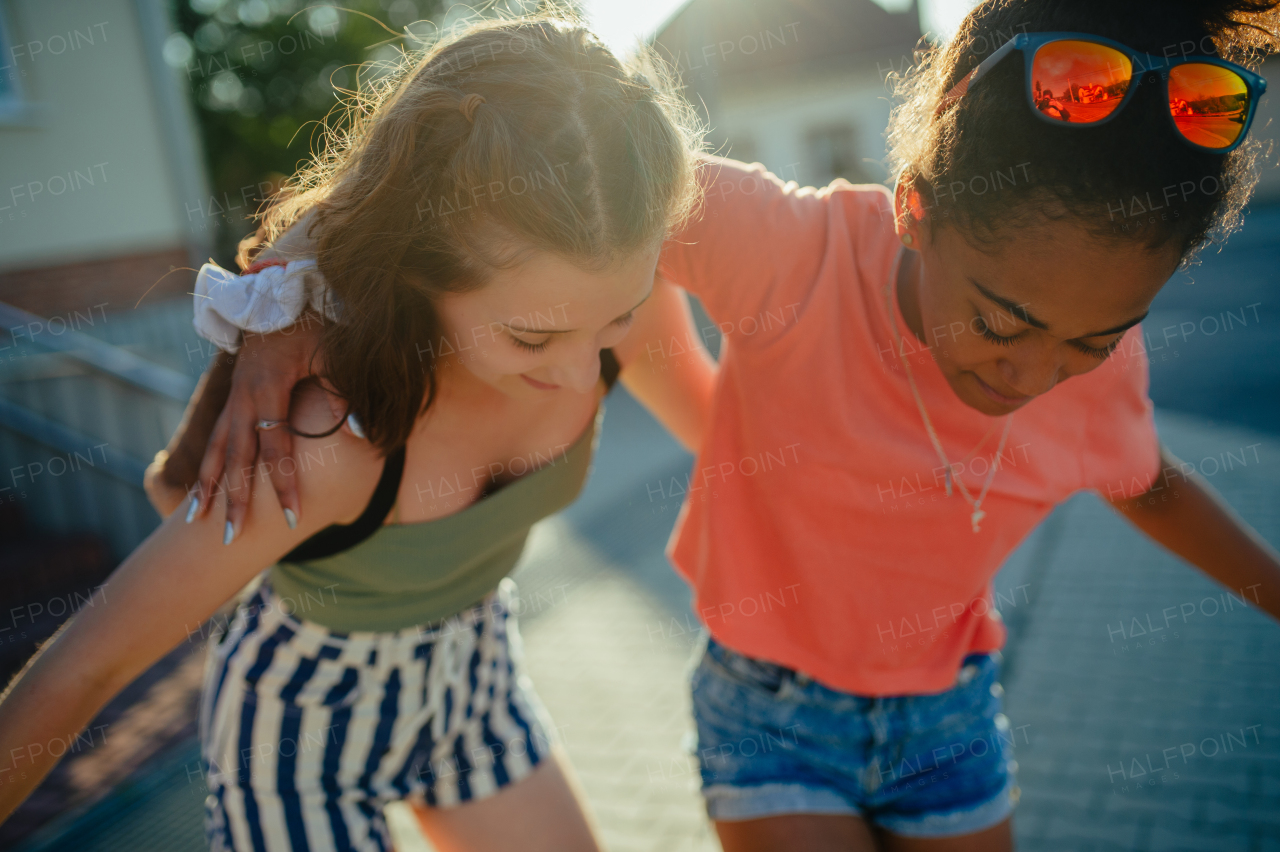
<point x="488" y="231"/>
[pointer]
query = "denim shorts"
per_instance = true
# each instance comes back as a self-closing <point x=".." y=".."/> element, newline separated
<point x="773" y="741"/>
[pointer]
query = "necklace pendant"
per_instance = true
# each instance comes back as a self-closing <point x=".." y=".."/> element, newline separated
<point x="976" y="518"/>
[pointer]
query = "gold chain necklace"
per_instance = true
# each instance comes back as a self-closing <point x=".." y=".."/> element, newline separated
<point x="976" y="517"/>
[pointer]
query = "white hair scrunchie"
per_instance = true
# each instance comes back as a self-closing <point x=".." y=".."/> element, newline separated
<point x="261" y="302"/>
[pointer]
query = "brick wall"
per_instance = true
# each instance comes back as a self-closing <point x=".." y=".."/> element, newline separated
<point x="119" y="282"/>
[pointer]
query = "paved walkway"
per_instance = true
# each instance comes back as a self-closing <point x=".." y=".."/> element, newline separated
<point x="1147" y="701"/>
<point x="612" y="676"/>
<point x="1152" y="696"/>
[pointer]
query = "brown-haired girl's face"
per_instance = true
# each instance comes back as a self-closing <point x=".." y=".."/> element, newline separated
<point x="539" y="326"/>
<point x="1050" y="303"/>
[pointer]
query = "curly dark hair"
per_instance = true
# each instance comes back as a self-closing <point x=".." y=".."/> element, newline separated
<point x="988" y="163"/>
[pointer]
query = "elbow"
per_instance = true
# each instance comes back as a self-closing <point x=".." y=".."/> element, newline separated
<point x="163" y="496"/>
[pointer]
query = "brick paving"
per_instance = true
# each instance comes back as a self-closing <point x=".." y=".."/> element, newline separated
<point x="1152" y="698"/>
<point x="614" y="684"/>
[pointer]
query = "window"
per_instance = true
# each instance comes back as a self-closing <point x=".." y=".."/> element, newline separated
<point x="12" y="103"/>
<point x="833" y="153"/>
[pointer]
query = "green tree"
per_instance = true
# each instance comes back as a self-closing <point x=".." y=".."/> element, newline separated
<point x="263" y="76"/>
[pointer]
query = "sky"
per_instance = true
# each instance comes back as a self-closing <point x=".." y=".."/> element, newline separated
<point x="621" y="22"/>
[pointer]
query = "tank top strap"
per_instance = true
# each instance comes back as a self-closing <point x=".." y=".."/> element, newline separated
<point x="336" y="538"/>
<point x="339" y="537"/>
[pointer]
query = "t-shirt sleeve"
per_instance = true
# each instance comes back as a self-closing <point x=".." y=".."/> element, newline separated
<point x="1121" y="457"/>
<point x="753" y="251"/>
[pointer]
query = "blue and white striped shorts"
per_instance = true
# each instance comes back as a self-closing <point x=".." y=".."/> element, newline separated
<point x="306" y="733"/>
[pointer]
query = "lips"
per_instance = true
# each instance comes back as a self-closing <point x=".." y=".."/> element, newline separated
<point x="996" y="396"/>
<point x="537" y="384"/>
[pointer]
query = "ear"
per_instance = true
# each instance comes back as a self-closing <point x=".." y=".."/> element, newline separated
<point x="908" y="211"/>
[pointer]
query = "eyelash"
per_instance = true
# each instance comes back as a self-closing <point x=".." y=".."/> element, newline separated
<point x="1095" y="352"/>
<point x="539" y="347"/>
<point x="1100" y="354"/>
<point x="530" y="347"/>
<point x="996" y="338"/>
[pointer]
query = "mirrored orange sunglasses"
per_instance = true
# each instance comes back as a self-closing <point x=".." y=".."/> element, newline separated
<point x="1084" y="80"/>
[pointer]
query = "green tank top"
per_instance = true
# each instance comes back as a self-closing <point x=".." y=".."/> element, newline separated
<point x="404" y="575"/>
<point x="370" y="576"/>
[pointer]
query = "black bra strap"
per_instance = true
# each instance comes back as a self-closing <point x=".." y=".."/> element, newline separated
<point x="339" y="537"/>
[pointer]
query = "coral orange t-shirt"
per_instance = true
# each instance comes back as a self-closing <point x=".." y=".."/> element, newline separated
<point x="816" y="530"/>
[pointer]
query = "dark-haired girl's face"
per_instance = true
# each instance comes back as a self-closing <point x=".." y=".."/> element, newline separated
<point x="1051" y="302"/>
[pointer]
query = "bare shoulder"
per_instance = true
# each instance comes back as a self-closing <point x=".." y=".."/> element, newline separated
<point x="335" y="470"/>
<point x="336" y="476"/>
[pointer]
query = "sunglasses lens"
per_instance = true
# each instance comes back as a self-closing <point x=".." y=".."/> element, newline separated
<point x="1079" y="82"/>
<point x="1209" y="103"/>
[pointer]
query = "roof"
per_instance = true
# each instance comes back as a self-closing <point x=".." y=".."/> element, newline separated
<point x="742" y="40"/>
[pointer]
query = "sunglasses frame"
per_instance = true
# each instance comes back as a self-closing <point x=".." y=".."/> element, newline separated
<point x="1143" y="63"/>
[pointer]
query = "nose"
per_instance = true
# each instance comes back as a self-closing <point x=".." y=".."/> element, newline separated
<point x="580" y="371"/>
<point x="1033" y="375"/>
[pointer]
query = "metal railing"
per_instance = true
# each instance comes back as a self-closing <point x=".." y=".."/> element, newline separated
<point x="100" y="357"/>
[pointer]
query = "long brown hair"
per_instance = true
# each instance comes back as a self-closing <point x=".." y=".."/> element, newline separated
<point x="525" y="131"/>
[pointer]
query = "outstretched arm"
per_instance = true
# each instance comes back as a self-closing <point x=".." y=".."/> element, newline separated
<point x="1186" y="515"/>
<point x="167" y="587"/>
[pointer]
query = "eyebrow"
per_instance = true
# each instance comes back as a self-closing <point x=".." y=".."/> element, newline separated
<point x="567" y="330"/>
<point x="1125" y="326"/>
<point x="1011" y="306"/>
<point x="1017" y="309"/>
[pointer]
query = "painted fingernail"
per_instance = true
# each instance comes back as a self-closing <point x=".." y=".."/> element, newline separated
<point x="353" y="423"/>
<point x="290" y="518"/>
<point x="192" y="509"/>
<point x="228" y="534"/>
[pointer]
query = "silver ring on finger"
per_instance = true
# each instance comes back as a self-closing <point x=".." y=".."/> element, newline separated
<point x="268" y="425"/>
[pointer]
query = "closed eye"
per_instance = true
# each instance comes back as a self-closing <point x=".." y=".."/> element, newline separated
<point x="1096" y="352"/>
<point x="529" y="347"/>
<point x="998" y="339"/>
<point x="621" y="321"/>
<point x="1101" y="353"/>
